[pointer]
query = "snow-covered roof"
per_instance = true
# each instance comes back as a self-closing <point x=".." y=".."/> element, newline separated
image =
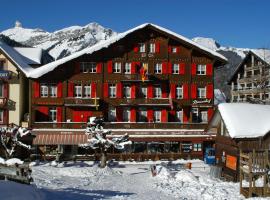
<point x="104" y="44"/>
<point x="31" y="55"/>
<point x="263" y="54"/>
<point x="16" y="58"/>
<point x="245" y="120"/>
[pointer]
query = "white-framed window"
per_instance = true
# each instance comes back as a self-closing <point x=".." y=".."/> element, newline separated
<point x="201" y="70"/>
<point x="88" y="67"/>
<point x="1" y="116"/>
<point x="112" y="114"/>
<point x="52" y="114"/>
<point x="158" y="68"/>
<point x="78" y="90"/>
<point x="174" y="49"/>
<point x="53" y="90"/>
<point x="144" y="92"/>
<point x="152" y="48"/>
<point x="112" y="91"/>
<point x="157" y="116"/>
<point x="127" y="69"/>
<point x="126" y="115"/>
<point x="127" y="91"/>
<point x="204" y="116"/>
<point x="117" y="67"/>
<point x="142" y="116"/>
<point x="157" y="92"/>
<point x="201" y="92"/>
<point x="179" y="115"/>
<point x="197" y="147"/>
<point x="87" y="91"/>
<point x="1" y="90"/>
<point x="195" y="115"/>
<point x="179" y="92"/>
<point x="44" y="90"/>
<point x="175" y="68"/>
<point x="142" y="47"/>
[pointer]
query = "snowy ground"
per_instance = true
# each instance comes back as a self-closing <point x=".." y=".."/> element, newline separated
<point x="124" y="180"/>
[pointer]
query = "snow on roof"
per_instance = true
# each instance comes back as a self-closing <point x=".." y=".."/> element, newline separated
<point x="31" y="55"/>
<point x="36" y="73"/>
<point x="245" y="120"/>
<point x="16" y="58"/>
<point x="264" y="54"/>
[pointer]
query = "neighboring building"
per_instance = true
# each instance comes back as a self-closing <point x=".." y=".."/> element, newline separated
<point x="240" y="126"/>
<point x="153" y="83"/>
<point x="250" y="81"/>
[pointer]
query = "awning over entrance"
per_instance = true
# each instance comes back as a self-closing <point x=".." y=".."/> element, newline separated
<point x="60" y="138"/>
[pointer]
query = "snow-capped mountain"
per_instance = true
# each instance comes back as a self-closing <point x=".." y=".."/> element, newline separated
<point x="62" y="42"/>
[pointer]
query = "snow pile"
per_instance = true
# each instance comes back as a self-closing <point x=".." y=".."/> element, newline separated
<point x="185" y="176"/>
<point x="13" y="161"/>
<point x="163" y="172"/>
<point x="2" y="161"/>
<point x="245" y="120"/>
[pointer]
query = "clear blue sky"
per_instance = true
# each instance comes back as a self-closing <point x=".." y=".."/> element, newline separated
<point x="239" y="23"/>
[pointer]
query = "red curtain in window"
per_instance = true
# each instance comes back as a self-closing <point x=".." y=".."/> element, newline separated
<point x="209" y="69"/>
<point x="164" y="117"/>
<point x="36" y="89"/>
<point x="209" y="91"/>
<point x="193" y="91"/>
<point x="99" y="67"/>
<point x="193" y="69"/>
<point x="109" y="66"/>
<point x="150" y="115"/>
<point x="150" y="91"/>
<point x="185" y="91"/>
<point x="60" y="89"/>
<point x="157" y="47"/>
<point x="77" y="67"/>
<point x="93" y="90"/>
<point x="133" y="91"/>
<point x="173" y="90"/>
<point x="164" y="67"/>
<point x="169" y="68"/>
<point x="164" y="91"/>
<point x="210" y="113"/>
<point x="70" y="89"/>
<point x="119" y="114"/>
<point x="106" y="90"/>
<point x="59" y="114"/>
<point x="182" y="68"/>
<point x="119" y="88"/>
<point x="185" y="115"/>
<point x="132" y="115"/>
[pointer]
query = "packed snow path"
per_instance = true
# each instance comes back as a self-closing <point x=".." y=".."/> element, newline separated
<point x="124" y="180"/>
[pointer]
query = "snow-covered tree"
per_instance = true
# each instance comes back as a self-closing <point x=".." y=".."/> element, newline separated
<point x="99" y="140"/>
<point x="12" y="137"/>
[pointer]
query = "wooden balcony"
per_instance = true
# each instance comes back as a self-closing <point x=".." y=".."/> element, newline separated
<point x="88" y="102"/>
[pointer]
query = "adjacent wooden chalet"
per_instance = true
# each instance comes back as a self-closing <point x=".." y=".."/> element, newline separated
<point x="150" y="81"/>
<point x="240" y="126"/>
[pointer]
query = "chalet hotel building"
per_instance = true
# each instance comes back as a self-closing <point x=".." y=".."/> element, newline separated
<point x="150" y="82"/>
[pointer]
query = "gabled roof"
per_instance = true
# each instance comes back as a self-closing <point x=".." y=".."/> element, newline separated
<point x="104" y="44"/>
<point x="243" y="120"/>
<point x="16" y="58"/>
<point x="32" y="56"/>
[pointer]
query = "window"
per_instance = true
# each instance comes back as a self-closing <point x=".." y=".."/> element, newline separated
<point x="197" y="147"/>
<point x="201" y="92"/>
<point x="179" y="92"/>
<point x="142" y="47"/>
<point x="127" y="69"/>
<point x="88" y="67"/>
<point x="174" y="49"/>
<point x="158" y="68"/>
<point x="117" y="67"/>
<point x="1" y="116"/>
<point x="87" y="91"/>
<point x="112" y="90"/>
<point x="201" y="69"/>
<point x="127" y="91"/>
<point x="195" y="115"/>
<point x="152" y="48"/>
<point x="144" y="92"/>
<point x="157" y="92"/>
<point x="157" y="116"/>
<point x="175" y="69"/>
<point x="44" y="90"/>
<point x="1" y="90"/>
<point x="126" y="115"/>
<point x="204" y="116"/>
<point x="112" y="114"/>
<point x="186" y="147"/>
<point x="78" y="90"/>
<point x="53" y="90"/>
<point x="52" y="115"/>
<point x="142" y="116"/>
<point x="179" y="116"/>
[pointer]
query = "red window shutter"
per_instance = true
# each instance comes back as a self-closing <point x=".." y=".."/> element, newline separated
<point x="44" y="110"/>
<point x="109" y="66"/>
<point x="133" y="67"/>
<point x="193" y="91"/>
<point x="150" y="91"/>
<point x="136" y="49"/>
<point x="173" y="91"/>
<point x="169" y="68"/>
<point x="185" y="91"/>
<point x="36" y="89"/>
<point x="164" y="68"/>
<point x="132" y="115"/>
<point x="119" y="88"/>
<point x="60" y="89"/>
<point x="133" y="92"/>
<point x="99" y="67"/>
<point x="185" y="115"/>
<point x="182" y="68"/>
<point x="177" y="49"/>
<point x="93" y="90"/>
<point x="70" y="89"/>
<point x="163" y="91"/>
<point x="59" y="114"/>
<point x="119" y="114"/>
<point x="209" y="69"/>
<point x="209" y="91"/>
<point x="157" y="47"/>
<point x="210" y="113"/>
<point x="169" y="49"/>
<point x="6" y="87"/>
<point x="150" y="115"/>
<point x="106" y="90"/>
<point x="164" y="117"/>
<point x="77" y="67"/>
<point x="193" y="69"/>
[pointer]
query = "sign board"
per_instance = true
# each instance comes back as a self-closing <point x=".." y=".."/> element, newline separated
<point x="4" y="74"/>
<point x="201" y="101"/>
<point x="231" y="162"/>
